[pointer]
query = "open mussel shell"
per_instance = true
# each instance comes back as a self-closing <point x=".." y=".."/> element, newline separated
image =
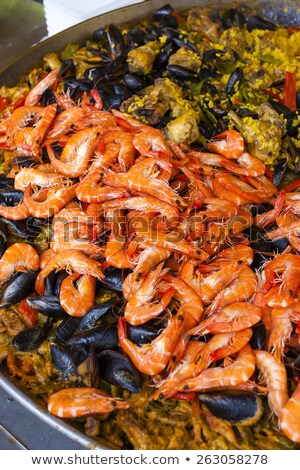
<point x="257" y="22"/>
<point x="92" y="316"/>
<point x="117" y="369"/>
<point x="259" y="337"/>
<point x="10" y="197"/>
<point x="99" y="337"/>
<point x="113" y="279"/>
<point x="62" y="361"/>
<point x="31" y="338"/>
<point x="88" y="370"/>
<point x="65" y="330"/>
<point x="6" y="182"/>
<point x="18" y="288"/>
<point x="47" y="305"/>
<point x="235" y="407"/>
<point x="142" y="334"/>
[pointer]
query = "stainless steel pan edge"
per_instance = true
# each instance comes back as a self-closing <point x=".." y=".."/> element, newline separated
<point x="288" y="11"/>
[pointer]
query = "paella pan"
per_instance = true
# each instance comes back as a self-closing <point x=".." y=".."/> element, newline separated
<point x="172" y="321"/>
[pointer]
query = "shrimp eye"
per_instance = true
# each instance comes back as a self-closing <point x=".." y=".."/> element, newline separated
<point x="240" y="261"/>
<point x="291" y="292"/>
<point x="186" y="387"/>
<point x="174" y="358"/>
<point x="177" y="202"/>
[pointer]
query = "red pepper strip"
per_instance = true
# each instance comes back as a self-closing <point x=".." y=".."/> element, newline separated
<point x="293" y="29"/>
<point x="292" y="185"/>
<point x="274" y="95"/>
<point x="189" y="396"/>
<point x="4" y="102"/>
<point x="290" y="91"/>
<point x="30" y="315"/>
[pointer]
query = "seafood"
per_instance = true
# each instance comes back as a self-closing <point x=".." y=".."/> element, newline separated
<point x="76" y="402"/>
<point x="146" y="269"/>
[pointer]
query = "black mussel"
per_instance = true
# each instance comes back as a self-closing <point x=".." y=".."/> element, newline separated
<point x="50" y="284"/>
<point x="234" y="81"/>
<point x="98" y="34"/>
<point x="62" y="361"/>
<point x="61" y="276"/>
<point x="298" y="99"/>
<point x="112" y="102"/>
<point x="122" y="91"/>
<point x="31" y="338"/>
<point x="100" y="337"/>
<point x="257" y="209"/>
<point x="96" y="73"/>
<point x="10" y="197"/>
<point x="293" y="123"/>
<point x="17" y="227"/>
<point x="6" y="182"/>
<point x="259" y="337"/>
<point x="117" y="369"/>
<point x="116" y="68"/>
<point x="280" y="245"/>
<point x="279" y="107"/>
<point x="133" y="82"/>
<point x="115" y="40"/>
<point x="163" y="56"/>
<point x="78" y="84"/>
<point x="165" y="16"/>
<point x="49" y="306"/>
<point x="235" y="407"/>
<point x="67" y="68"/>
<point x="89" y="370"/>
<point x="142" y="334"/>
<point x="138" y="36"/>
<point x="211" y="55"/>
<point x="3" y="238"/>
<point x="92" y="316"/>
<point x="180" y="72"/>
<point x="23" y="162"/>
<point x="18" y="288"/>
<point x="206" y="129"/>
<point x="183" y="42"/>
<point x="257" y="22"/>
<point x="67" y="328"/>
<point x="232" y="17"/>
<point x="48" y="98"/>
<point x="279" y="171"/>
<point x="80" y="353"/>
<point x="114" y="278"/>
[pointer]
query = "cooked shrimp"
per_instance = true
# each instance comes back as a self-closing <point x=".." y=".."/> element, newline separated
<point x="138" y="182"/>
<point x="213" y="284"/>
<point x="288" y="266"/>
<point x="127" y="149"/>
<point x="69" y="260"/>
<point x="152" y="142"/>
<point x="147" y="259"/>
<point x="36" y="92"/>
<point x="66" y="237"/>
<point x="240" y="289"/>
<point x="172" y="241"/>
<point x="168" y="387"/>
<point x="237" y="373"/>
<point x="234" y="317"/>
<point x="92" y="190"/>
<point x="76" y="154"/>
<point x="145" y="204"/>
<point x="18" y="257"/>
<point x="290" y="417"/>
<point x="282" y="329"/>
<point x="48" y="202"/>
<point x="265" y="219"/>
<point x="65" y="122"/>
<point x="141" y="307"/>
<point x="217" y="208"/>
<point x="77" y="299"/>
<point x="42" y="179"/>
<point x="246" y="164"/>
<point x="18" y="212"/>
<point x="274" y="374"/>
<point x="152" y="358"/>
<point x="84" y="401"/>
<point x="238" y="191"/>
<point x="19" y="119"/>
<point x="230" y="144"/>
<point x="45" y="257"/>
